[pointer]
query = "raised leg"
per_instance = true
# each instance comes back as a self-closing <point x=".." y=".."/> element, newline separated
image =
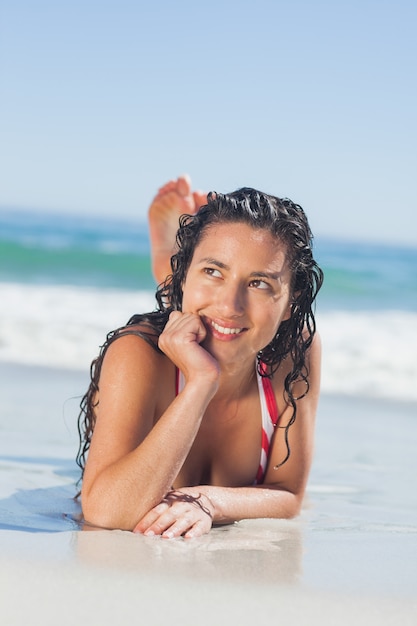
<point x="172" y="200"/>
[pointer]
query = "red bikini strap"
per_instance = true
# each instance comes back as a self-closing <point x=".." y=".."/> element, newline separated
<point x="271" y="402"/>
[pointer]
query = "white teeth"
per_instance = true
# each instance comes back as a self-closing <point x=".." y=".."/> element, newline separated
<point x="226" y="331"/>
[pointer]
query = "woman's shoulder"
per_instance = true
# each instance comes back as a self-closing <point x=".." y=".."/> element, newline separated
<point x="135" y="339"/>
<point x="143" y="330"/>
<point x="133" y="361"/>
<point x="145" y="326"/>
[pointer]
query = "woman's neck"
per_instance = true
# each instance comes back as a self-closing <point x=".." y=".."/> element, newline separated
<point x="235" y="381"/>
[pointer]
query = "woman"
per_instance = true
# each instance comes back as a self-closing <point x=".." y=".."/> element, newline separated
<point x="203" y="411"/>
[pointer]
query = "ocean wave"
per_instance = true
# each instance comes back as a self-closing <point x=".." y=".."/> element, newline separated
<point x="370" y="353"/>
<point x="62" y="326"/>
<point x="366" y="353"/>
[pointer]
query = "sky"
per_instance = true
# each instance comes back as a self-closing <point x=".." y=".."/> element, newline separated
<point x="103" y="101"/>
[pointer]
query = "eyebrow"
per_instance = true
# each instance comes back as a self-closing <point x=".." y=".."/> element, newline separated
<point x="223" y="266"/>
<point x="270" y="275"/>
<point x="211" y="261"/>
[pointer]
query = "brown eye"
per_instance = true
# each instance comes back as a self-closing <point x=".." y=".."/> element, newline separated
<point x="211" y="271"/>
<point x="259" y="284"/>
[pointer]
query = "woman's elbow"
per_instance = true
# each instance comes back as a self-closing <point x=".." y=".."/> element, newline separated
<point x="294" y="508"/>
<point x="100" y="513"/>
<point x="289" y="506"/>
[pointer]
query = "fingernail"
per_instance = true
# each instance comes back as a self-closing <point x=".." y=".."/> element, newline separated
<point x="149" y="533"/>
<point x="168" y="534"/>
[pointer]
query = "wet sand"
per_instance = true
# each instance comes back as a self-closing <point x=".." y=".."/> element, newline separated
<point x="348" y="559"/>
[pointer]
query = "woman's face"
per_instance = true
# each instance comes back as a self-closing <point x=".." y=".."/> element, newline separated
<point x="239" y="283"/>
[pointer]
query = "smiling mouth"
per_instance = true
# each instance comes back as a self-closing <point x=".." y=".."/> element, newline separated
<point x="226" y="331"/>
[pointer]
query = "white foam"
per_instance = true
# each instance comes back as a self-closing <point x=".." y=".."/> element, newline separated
<point x="364" y="353"/>
<point x="370" y="353"/>
<point x="62" y="326"/>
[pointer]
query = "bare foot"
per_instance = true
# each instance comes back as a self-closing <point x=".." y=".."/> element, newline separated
<point x="172" y="200"/>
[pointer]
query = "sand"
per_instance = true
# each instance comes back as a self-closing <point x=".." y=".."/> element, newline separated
<point x="350" y="558"/>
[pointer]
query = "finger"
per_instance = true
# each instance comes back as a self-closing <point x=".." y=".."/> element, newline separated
<point x="175" y="521"/>
<point x="179" y="528"/>
<point x="155" y="523"/>
<point x="174" y="316"/>
<point x="184" y="326"/>
<point x="191" y="522"/>
<point x="150" y="518"/>
<point x="201" y="527"/>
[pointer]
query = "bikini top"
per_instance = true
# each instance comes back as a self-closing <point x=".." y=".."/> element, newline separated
<point x="269" y="412"/>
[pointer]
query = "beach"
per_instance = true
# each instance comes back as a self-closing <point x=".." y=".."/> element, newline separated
<point x="107" y="106"/>
<point x="349" y="558"/>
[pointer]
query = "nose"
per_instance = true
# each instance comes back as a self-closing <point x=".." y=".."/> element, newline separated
<point x="231" y="301"/>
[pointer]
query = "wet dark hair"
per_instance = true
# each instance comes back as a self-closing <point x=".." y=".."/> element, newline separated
<point x="286" y="221"/>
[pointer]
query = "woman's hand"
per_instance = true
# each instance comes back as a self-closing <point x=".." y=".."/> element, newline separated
<point x="179" y="514"/>
<point x="181" y="342"/>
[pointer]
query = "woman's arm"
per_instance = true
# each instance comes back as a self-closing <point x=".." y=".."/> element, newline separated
<point x="133" y="462"/>
<point x="281" y="494"/>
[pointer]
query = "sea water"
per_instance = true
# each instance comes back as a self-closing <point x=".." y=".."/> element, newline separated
<point x="66" y="280"/>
